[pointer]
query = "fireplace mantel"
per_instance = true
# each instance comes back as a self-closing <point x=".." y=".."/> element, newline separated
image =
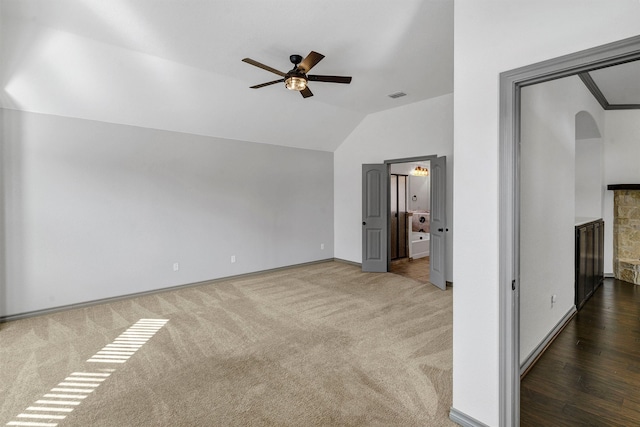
<point x="623" y="187"/>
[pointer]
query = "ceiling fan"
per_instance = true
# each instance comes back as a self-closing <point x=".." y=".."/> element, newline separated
<point x="297" y="78"/>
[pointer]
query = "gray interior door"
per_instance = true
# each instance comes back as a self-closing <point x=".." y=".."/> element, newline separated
<point x="438" y="224"/>
<point x="375" y="179"/>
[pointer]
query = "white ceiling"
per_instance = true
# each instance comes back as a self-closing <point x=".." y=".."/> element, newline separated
<point x="619" y="84"/>
<point x="176" y="65"/>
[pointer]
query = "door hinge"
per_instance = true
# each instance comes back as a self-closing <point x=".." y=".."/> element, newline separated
<point x="513" y="285"/>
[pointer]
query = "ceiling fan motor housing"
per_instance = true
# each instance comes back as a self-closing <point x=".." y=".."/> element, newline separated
<point x="295" y="59"/>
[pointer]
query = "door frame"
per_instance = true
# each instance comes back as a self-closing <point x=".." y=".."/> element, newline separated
<point x="388" y="163"/>
<point x="511" y="83"/>
<point x="389" y="201"/>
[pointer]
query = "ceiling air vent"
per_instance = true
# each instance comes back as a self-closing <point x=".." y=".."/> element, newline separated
<point x="397" y="95"/>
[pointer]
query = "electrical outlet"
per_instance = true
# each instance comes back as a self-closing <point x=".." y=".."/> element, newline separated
<point x="233" y="259"/>
<point x="176" y="266"/>
<point x="322" y="246"/>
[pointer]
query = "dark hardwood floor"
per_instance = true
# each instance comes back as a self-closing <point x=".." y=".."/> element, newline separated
<point x="590" y="375"/>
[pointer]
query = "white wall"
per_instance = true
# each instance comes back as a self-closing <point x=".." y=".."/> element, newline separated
<point x="419" y="186"/>
<point x="420" y="129"/>
<point x="590" y="188"/>
<point x="547" y="203"/>
<point x="3" y="226"/>
<point x="491" y="37"/>
<point x="621" y="154"/>
<point x="97" y="210"/>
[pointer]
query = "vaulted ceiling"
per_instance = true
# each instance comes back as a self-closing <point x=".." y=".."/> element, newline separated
<point x="176" y="64"/>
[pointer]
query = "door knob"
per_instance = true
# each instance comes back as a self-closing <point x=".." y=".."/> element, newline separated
<point x="364" y="223"/>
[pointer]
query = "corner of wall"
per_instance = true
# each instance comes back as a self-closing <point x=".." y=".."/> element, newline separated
<point x="3" y="225"/>
<point x="419" y="129"/>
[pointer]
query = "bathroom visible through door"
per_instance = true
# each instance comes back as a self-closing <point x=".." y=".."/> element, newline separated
<point x="409" y="207"/>
<point x="398" y="209"/>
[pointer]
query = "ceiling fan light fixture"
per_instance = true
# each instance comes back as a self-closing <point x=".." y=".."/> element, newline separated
<point x="296" y="83"/>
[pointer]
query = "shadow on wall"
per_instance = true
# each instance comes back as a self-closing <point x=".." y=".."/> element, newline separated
<point x="11" y="207"/>
<point x="3" y="224"/>
<point x="589" y="170"/>
<point x="586" y="126"/>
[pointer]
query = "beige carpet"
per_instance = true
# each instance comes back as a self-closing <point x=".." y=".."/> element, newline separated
<point x="318" y="345"/>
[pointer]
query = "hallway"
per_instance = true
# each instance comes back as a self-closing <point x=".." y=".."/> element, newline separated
<point x="590" y="374"/>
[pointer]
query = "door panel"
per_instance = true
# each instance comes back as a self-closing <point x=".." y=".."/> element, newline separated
<point x="599" y="253"/>
<point x="438" y="224"/>
<point x="581" y="266"/>
<point x="375" y="179"/>
<point x="590" y="264"/>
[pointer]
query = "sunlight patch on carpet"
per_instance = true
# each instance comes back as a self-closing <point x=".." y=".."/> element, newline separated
<point x="67" y="394"/>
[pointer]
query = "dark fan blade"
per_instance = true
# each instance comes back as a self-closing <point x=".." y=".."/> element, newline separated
<point x="306" y="92"/>
<point x="330" y="79"/>
<point x="267" y="84"/>
<point x="310" y="61"/>
<point x="264" y="67"/>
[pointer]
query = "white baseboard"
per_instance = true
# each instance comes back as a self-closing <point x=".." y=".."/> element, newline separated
<point x="547" y="340"/>
<point x="357" y="264"/>
<point x="464" y="419"/>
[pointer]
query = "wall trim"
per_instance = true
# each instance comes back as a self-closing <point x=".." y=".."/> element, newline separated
<point x="595" y="90"/>
<point x="599" y="96"/>
<point x="346" y="261"/>
<point x="12" y="317"/>
<point x="464" y="419"/>
<point x="546" y="342"/>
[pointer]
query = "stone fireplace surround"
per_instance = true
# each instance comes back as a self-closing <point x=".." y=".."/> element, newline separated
<point x="626" y="232"/>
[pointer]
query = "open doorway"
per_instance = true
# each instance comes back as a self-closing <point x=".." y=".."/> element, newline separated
<point x="513" y="255"/>
<point x="376" y="217"/>
<point x="409" y="208"/>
